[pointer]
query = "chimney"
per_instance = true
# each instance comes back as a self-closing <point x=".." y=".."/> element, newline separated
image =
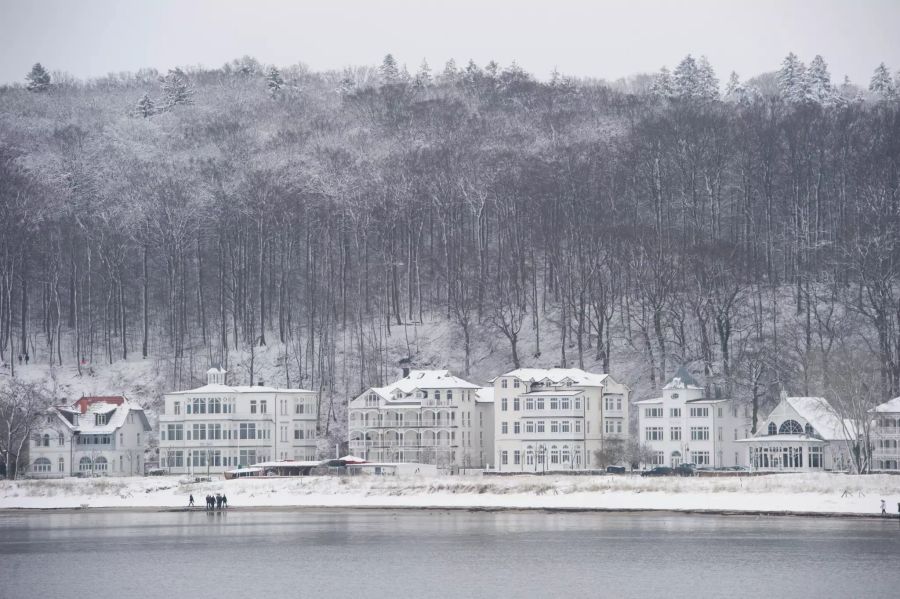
<point x="405" y="371"/>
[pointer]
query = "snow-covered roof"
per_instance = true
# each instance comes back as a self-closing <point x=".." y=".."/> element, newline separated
<point x="421" y="379"/>
<point x="116" y="416"/>
<point x="577" y="376"/>
<point x="892" y="405"/>
<point x="484" y="395"/>
<point x="683" y="380"/>
<point x="551" y="392"/>
<point x="655" y="400"/>
<point x="287" y="464"/>
<point x="823" y="418"/>
<point x="782" y="439"/>
<point x="216" y="388"/>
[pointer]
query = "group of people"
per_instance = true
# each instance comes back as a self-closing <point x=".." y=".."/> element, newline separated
<point x="213" y="502"/>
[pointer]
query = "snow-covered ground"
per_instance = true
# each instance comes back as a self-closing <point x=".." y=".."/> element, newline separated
<point x="813" y="493"/>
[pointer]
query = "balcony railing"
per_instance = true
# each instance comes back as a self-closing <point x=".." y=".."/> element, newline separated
<point x="422" y="424"/>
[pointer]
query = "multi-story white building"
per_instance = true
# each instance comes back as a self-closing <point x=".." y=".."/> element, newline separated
<point x="555" y="419"/>
<point x="802" y="434"/>
<point x="217" y="427"/>
<point x="886" y="436"/>
<point x="428" y="416"/>
<point x="684" y="426"/>
<point x="95" y="436"/>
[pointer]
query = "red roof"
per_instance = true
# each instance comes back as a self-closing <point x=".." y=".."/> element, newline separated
<point x="83" y="403"/>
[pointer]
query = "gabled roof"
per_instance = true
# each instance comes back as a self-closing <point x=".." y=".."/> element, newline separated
<point x="683" y="380"/>
<point x="578" y="377"/>
<point x="117" y="415"/>
<point x="403" y="390"/>
<point x="823" y="418"/>
<point x="892" y="405"/>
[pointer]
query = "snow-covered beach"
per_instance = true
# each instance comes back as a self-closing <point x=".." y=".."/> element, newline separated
<point x="802" y="494"/>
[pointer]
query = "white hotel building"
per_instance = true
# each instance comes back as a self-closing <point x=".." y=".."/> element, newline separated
<point x="555" y="419"/>
<point x="428" y="416"/>
<point x="218" y="427"/>
<point x="886" y="436"/>
<point x="684" y="426"/>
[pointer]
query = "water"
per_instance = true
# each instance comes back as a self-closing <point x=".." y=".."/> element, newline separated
<point x="374" y="554"/>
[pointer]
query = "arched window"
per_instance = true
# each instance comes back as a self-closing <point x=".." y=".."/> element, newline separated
<point x="41" y="465"/>
<point x="100" y="464"/>
<point x="790" y="427"/>
<point x="46" y="442"/>
<point x="62" y="439"/>
<point x="62" y="465"/>
<point x="772" y="428"/>
<point x="85" y="464"/>
<point x="810" y="431"/>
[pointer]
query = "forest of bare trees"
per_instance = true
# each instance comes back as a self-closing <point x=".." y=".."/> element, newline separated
<point x="207" y="212"/>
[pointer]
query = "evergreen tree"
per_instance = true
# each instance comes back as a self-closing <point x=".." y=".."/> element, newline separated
<point x="450" y="73"/>
<point x="818" y="82"/>
<point x="145" y="107"/>
<point x="882" y="83"/>
<point x="472" y="74"/>
<point x="38" y="78"/>
<point x="492" y="69"/>
<point x="423" y="75"/>
<point x="687" y="78"/>
<point x="792" y="79"/>
<point x="389" y="71"/>
<point x="177" y="89"/>
<point x="274" y="80"/>
<point x="734" y="90"/>
<point x="663" y="86"/>
<point x="707" y="82"/>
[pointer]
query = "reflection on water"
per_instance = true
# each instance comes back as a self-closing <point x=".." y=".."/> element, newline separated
<point x="375" y="554"/>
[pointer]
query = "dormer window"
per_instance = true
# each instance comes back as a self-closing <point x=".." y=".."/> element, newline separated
<point x="674" y="396"/>
<point x="100" y="419"/>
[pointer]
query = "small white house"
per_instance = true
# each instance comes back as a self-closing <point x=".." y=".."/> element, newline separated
<point x="802" y="434"/>
<point x="95" y="436"/>
<point x="886" y="436"/>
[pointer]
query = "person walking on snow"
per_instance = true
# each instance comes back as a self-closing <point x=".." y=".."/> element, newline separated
<point x="191" y="502"/>
<point x="883" y="508"/>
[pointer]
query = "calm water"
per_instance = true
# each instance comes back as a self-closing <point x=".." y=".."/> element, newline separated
<point x="373" y="554"/>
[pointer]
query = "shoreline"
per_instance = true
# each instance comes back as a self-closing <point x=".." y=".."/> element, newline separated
<point x="455" y="508"/>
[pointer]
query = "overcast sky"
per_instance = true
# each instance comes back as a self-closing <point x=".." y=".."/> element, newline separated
<point x="588" y="38"/>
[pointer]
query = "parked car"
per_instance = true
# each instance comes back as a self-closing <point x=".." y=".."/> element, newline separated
<point x="684" y="469"/>
<point x="658" y="471"/>
<point x="615" y="469"/>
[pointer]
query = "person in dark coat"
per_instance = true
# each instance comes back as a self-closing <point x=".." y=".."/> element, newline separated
<point x="191" y="501"/>
<point x="224" y="501"/>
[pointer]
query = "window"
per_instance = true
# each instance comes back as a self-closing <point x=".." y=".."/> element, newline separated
<point x="100" y="419"/>
<point x="701" y="458"/>
<point x="253" y="406"/>
<point x="62" y="465"/>
<point x="529" y="404"/>
<point x="565" y="426"/>
<point x="540" y="426"/>
<point x="674" y="412"/>
<point x="41" y="465"/>
<point x="199" y="405"/>
<point x="554" y="403"/>
<point x="554" y="426"/>
<point x="503" y="404"/>
<point x="262" y="407"/>
<point x="699" y="433"/>
<point x="199" y="432"/>
<point x="653" y="412"/>
<point x="529" y="426"/>
<point x="657" y="458"/>
<point x="516" y="404"/>
<point x="100" y="464"/>
<point x="653" y="433"/>
<point x="720" y="412"/>
<point x="176" y="408"/>
<point x="565" y="403"/>
<point x="214" y="431"/>
<point x="517" y="457"/>
<point x="85" y="464"/>
<point x="675" y="433"/>
<point x="554" y="455"/>
<point x="504" y="455"/>
<point x="503" y="383"/>
<point x="772" y="430"/>
<point x="449" y="394"/>
<point x="699" y="412"/>
<point x="809" y="430"/>
<point x="517" y="428"/>
<point x="247" y="430"/>
<point x="578" y="426"/>
<point x="540" y="403"/>
<point x="175" y="432"/>
<point x="516" y="383"/>
<point x="720" y="437"/>
<point x="247" y="457"/>
<point x="61" y="439"/>
<point x="790" y="427"/>
<point x="577" y="403"/>
<point x="504" y="428"/>
<point x="175" y="459"/>
<point x="815" y="457"/>
<point x="215" y="406"/>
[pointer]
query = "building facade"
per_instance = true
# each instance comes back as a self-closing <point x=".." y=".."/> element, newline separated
<point x="802" y="434"/>
<point x="685" y="427"/>
<point x="556" y="419"/>
<point x="95" y="436"/>
<point x="886" y="436"/>
<point x="218" y="427"/>
<point x="428" y="416"/>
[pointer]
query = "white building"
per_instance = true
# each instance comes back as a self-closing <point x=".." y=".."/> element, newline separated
<point x="428" y="416"/>
<point x="886" y="436"/>
<point x="217" y="427"/>
<point x="684" y="426"/>
<point x="802" y="434"/>
<point x="555" y="419"/>
<point x="95" y="436"/>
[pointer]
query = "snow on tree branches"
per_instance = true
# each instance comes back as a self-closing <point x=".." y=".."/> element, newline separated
<point x="38" y="79"/>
